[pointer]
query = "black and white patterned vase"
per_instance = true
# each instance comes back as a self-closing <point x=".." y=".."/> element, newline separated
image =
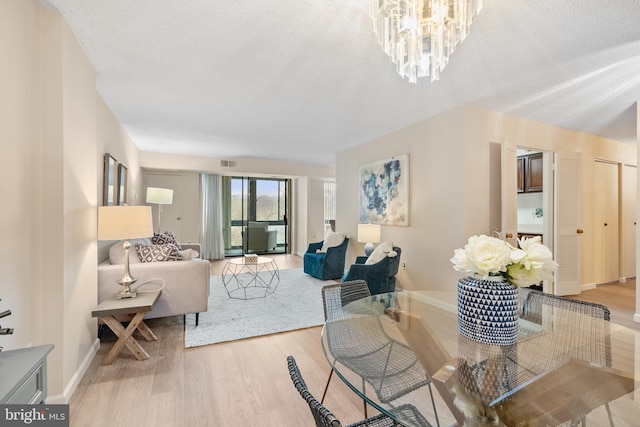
<point x="488" y="310"/>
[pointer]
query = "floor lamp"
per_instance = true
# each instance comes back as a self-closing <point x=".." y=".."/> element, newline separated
<point x="159" y="196"/>
<point x="124" y="223"/>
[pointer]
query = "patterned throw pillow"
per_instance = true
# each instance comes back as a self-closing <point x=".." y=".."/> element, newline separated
<point x="165" y="238"/>
<point x="152" y="253"/>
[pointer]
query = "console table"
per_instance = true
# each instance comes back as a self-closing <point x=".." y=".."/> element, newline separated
<point x="23" y="375"/>
<point x="135" y="309"/>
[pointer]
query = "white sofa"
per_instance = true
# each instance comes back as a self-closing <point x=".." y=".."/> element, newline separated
<point x="186" y="282"/>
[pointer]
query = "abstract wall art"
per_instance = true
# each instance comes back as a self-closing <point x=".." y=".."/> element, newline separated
<point x="384" y="191"/>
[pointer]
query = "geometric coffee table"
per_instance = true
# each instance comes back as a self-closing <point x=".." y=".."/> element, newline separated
<point x="250" y="280"/>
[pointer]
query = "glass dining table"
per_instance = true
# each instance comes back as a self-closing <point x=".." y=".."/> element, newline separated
<point x="557" y="372"/>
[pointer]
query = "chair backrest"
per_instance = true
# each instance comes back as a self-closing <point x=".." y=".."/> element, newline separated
<point x="394" y="263"/>
<point x="581" y="328"/>
<point x="322" y="416"/>
<point x="334" y="297"/>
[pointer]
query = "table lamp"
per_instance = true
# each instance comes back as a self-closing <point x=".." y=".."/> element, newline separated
<point x="124" y="223"/>
<point x="369" y="234"/>
<point x="159" y="196"/>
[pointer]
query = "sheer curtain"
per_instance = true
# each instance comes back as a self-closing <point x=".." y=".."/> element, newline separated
<point x="212" y="239"/>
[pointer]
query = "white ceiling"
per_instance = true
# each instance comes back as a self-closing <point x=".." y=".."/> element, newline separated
<point x="300" y="80"/>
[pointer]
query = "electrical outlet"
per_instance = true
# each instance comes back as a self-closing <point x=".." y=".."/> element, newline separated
<point x="404" y="265"/>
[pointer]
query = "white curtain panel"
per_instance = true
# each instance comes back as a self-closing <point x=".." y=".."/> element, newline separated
<point x="212" y="239"/>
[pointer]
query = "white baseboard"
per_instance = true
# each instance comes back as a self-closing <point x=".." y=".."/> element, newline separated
<point x="75" y="380"/>
<point x="636" y="317"/>
<point x="622" y="280"/>
<point x="587" y="286"/>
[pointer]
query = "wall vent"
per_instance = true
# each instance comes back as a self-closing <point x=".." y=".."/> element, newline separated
<point x="228" y="163"/>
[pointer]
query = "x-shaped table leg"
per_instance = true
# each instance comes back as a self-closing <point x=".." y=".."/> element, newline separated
<point x="125" y="337"/>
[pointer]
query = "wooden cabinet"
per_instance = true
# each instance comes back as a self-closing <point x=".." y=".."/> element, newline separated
<point x="533" y="179"/>
<point x="521" y="169"/>
<point x="530" y="173"/>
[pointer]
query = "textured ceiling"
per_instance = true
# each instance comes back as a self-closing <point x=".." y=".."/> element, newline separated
<point x="300" y="80"/>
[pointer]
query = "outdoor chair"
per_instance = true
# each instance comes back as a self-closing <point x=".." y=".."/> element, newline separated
<point x="324" y="418"/>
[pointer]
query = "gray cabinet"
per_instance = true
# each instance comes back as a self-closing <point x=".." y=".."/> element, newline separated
<point x="23" y="375"/>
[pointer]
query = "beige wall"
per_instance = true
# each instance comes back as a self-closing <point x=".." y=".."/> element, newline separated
<point x="244" y="166"/>
<point x="637" y="315"/>
<point x="113" y="139"/>
<point x="55" y="129"/>
<point x="451" y="185"/>
<point x="49" y="133"/>
<point x="21" y="213"/>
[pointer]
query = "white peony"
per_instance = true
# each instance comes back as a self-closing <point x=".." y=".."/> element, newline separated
<point x="532" y="263"/>
<point x="486" y="256"/>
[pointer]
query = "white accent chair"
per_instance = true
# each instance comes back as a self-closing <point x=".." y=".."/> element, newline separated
<point x="258" y="238"/>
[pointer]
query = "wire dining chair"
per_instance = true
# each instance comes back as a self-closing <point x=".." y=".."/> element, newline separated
<point x="359" y="342"/>
<point x="325" y="418"/>
<point x="581" y="331"/>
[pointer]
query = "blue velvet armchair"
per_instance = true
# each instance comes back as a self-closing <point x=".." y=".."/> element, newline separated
<point x="325" y="266"/>
<point x="380" y="277"/>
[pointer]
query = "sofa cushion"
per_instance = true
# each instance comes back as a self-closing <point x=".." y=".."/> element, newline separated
<point x="331" y="240"/>
<point x="165" y="238"/>
<point x="153" y="253"/>
<point x="116" y="251"/>
<point x="383" y="250"/>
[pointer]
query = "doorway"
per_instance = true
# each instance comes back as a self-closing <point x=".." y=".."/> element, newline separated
<point x="611" y="221"/>
<point x="256" y="214"/>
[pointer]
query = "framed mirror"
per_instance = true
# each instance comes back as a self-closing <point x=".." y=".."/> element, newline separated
<point x="121" y="198"/>
<point x="109" y="190"/>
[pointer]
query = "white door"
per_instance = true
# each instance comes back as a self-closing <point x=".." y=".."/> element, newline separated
<point x="606" y="222"/>
<point x="567" y="222"/>
<point x="509" y="181"/>
<point x="628" y="222"/>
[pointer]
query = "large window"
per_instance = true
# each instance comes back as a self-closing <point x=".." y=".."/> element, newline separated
<point x="252" y="202"/>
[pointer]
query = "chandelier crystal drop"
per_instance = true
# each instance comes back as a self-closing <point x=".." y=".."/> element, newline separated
<point x="420" y="35"/>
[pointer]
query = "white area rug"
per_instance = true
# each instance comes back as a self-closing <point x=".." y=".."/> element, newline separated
<point x="295" y="304"/>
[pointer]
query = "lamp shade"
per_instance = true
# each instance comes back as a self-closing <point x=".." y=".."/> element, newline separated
<point x="124" y="222"/>
<point x="161" y="196"/>
<point x="369" y="233"/>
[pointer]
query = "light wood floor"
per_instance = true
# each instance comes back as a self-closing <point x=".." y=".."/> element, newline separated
<point x="240" y="383"/>
<point x="620" y="298"/>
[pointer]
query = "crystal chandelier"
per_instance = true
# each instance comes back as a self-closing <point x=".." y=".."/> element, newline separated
<point x="419" y="35"/>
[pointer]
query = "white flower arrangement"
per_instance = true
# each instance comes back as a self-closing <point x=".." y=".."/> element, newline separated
<point x="484" y="256"/>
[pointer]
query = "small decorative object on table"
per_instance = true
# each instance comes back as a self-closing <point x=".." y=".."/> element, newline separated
<point x="488" y="298"/>
<point x="251" y="259"/>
